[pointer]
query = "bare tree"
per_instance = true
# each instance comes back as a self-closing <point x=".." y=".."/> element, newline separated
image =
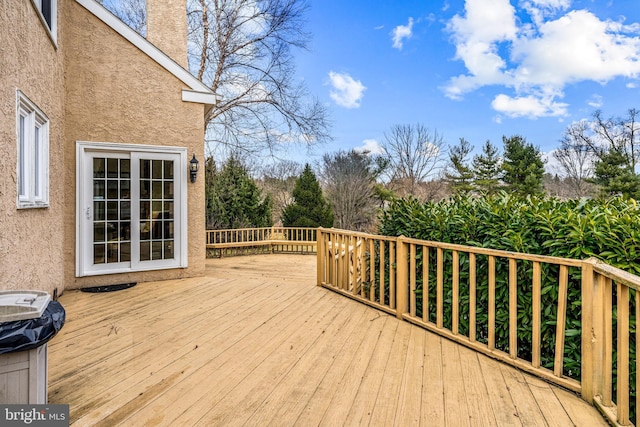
<point x="242" y="50"/>
<point x="414" y="153"/>
<point x="278" y="181"/>
<point x="349" y="180"/>
<point x="576" y="156"/>
<point x="620" y="134"/>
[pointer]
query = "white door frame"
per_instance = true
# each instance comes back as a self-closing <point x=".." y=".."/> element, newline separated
<point x="84" y="206"/>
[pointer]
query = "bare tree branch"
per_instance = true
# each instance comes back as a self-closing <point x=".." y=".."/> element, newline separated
<point x="414" y="153"/>
<point x="576" y="155"/>
<point x="348" y="179"/>
<point x="243" y="52"/>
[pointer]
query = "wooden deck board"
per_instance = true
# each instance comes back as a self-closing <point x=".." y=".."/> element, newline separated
<point x="256" y="343"/>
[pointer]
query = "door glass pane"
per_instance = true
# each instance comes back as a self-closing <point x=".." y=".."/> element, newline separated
<point x="156" y="210"/>
<point x="98" y="167"/>
<point x="111" y="210"/>
<point x="23" y="157"/>
<point x="36" y="149"/>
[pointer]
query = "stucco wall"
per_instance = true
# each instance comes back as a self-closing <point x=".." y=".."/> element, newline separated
<point x="165" y="31"/>
<point x="115" y="93"/>
<point x="31" y="248"/>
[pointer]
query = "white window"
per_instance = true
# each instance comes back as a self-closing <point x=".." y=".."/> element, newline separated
<point x="33" y="154"/>
<point x="131" y="208"/>
<point x="47" y="10"/>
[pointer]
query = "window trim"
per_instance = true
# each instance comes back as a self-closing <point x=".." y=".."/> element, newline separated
<point x="84" y="266"/>
<point x="52" y="30"/>
<point x="32" y="159"/>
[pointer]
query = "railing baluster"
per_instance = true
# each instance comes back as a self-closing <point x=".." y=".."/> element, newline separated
<point x="402" y="282"/>
<point x="536" y="314"/>
<point x="320" y="258"/>
<point x="608" y="342"/>
<point x="561" y="318"/>
<point x="513" y="308"/>
<point x="593" y="297"/>
<point x="439" y="288"/>
<point x="425" y="283"/>
<point x="382" y="281"/>
<point x="392" y="275"/>
<point x="622" y="396"/>
<point x="344" y="262"/>
<point x="372" y="270"/>
<point x="455" y="288"/>
<point x="412" y="280"/>
<point x="354" y="263"/>
<point x="492" y="302"/>
<point x="472" y="296"/>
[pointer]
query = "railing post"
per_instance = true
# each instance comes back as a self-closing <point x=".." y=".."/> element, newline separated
<point x="271" y="237"/>
<point x="402" y="278"/>
<point x="320" y="255"/>
<point x="588" y="334"/>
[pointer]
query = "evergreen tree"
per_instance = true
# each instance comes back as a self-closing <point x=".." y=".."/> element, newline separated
<point x="309" y="208"/>
<point x="522" y="167"/>
<point x="460" y="178"/>
<point x="487" y="168"/>
<point x="233" y="198"/>
<point x="615" y="176"/>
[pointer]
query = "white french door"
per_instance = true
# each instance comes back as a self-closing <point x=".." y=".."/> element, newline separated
<point x="131" y="208"/>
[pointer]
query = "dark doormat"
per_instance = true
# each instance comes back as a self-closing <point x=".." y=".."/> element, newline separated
<point x="109" y="288"/>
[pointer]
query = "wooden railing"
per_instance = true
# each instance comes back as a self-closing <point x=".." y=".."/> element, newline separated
<point x="262" y="240"/>
<point x="510" y="306"/>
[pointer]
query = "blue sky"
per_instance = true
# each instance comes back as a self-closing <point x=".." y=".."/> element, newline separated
<point x="477" y="69"/>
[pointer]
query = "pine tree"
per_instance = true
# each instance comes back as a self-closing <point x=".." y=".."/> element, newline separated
<point x="309" y="208"/>
<point x="460" y="179"/>
<point x="233" y="198"/>
<point x="487" y="168"/>
<point x="613" y="173"/>
<point x="522" y="167"/>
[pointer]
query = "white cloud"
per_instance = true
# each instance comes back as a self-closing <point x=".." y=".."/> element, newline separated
<point x="379" y="27"/>
<point x="540" y="9"/>
<point x="371" y="146"/>
<point x="530" y="106"/>
<point x="538" y="59"/>
<point x="402" y="32"/>
<point x="346" y="91"/>
<point x="595" y="101"/>
<point x="631" y="85"/>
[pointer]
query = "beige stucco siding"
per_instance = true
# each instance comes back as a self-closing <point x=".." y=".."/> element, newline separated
<point x="115" y="93"/>
<point x="31" y="240"/>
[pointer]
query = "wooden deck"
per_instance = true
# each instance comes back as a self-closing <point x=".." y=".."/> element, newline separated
<point x="256" y="343"/>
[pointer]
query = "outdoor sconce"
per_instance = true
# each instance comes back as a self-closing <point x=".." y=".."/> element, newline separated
<point x="193" y="168"/>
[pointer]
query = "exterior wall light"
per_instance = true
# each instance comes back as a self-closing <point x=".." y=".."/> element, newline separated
<point x="193" y="168"/>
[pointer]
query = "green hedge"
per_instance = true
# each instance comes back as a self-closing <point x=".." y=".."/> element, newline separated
<point x="606" y="229"/>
